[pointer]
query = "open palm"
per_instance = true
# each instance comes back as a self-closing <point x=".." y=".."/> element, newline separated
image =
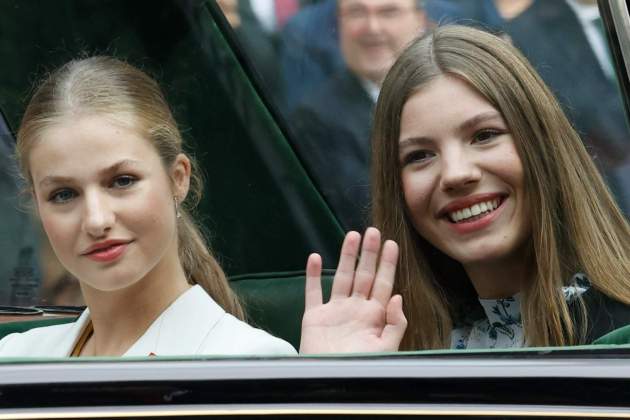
<point x="361" y="315"/>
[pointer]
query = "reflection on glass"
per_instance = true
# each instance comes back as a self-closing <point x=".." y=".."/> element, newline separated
<point x="18" y="240"/>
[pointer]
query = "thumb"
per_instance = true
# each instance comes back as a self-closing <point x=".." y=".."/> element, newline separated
<point x="396" y="324"/>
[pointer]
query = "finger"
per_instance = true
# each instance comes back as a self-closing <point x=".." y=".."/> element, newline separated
<point x="394" y="330"/>
<point x="313" y="286"/>
<point x="384" y="282"/>
<point x="344" y="276"/>
<point x="366" y="269"/>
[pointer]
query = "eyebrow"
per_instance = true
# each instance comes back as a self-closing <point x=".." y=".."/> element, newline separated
<point x="413" y="141"/>
<point x="465" y="126"/>
<point x="54" y="179"/>
<point x="485" y="116"/>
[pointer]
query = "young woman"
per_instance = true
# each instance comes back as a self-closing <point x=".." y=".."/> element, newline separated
<point x="103" y="157"/>
<point x="508" y="234"/>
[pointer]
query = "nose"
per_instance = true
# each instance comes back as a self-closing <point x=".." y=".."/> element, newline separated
<point x="459" y="170"/>
<point x="373" y="23"/>
<point x="98" y="216"/>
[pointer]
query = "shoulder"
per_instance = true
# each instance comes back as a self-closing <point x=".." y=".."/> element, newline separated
<point x="235" y="337"/>
<point x="342" y="91"/>
<point x="603" y="313"/>
<point x="39" y="342"/>
<point x="196" y="324"/>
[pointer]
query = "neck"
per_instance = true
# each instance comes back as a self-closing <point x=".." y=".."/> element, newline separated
<point x="121" y="317"/>
<point x="500" y="279"/>
<point x="377" y="80"/>
<point x="510" y="9"/>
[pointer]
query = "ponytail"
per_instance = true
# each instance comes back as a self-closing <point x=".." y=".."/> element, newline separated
<point x="202" y="268"/>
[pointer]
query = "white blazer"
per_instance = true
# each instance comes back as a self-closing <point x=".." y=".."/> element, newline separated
<point x="192" y="325"/>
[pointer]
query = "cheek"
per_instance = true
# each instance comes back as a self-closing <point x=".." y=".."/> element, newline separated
<point x="511" y="166"/>
<point x="349" y="36"/>
<point x="60" y="231"/>
<point x="416" y="192"/>
<point x="153" y="212"/>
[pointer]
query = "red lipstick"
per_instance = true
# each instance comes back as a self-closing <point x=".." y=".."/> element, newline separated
<point x="106" y="251"/>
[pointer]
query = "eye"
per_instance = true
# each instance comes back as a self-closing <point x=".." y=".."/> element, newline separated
<point x="417" y="156"/>
<point x="124" y="181"/>
<point x="62" y="196"/>
<point x="484" y="136"/>
<point x="389" y="12"/>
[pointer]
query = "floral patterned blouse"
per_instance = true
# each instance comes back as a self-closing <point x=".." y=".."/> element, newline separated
<point x="502" y="326"/>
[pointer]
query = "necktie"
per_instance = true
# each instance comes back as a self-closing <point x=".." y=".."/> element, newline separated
<point x="284" y="10"/>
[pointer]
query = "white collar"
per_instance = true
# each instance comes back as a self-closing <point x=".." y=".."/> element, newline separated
<point x="182" y="327"/>
<point x="371" y="88"/>
<point x="179" y="330"/>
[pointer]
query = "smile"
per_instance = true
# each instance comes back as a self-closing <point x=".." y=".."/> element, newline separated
<point x="474" y="212"/>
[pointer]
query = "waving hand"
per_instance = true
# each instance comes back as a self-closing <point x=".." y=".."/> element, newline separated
<point x="362" y="315"/>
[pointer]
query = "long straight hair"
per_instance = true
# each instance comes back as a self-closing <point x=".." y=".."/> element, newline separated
<point x="113" y="89"/>
<point x="576" y="224"/>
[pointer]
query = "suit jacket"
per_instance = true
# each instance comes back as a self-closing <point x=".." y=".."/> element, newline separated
<point x="309" y="50"/>
<point x="603" y="315"/>
<point x="192" y="325"/>
<point x="552" y="38"/>
<point x="332" y="135"/>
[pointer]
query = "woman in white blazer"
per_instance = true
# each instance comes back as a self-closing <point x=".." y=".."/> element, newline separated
<point x="102" y="155"/>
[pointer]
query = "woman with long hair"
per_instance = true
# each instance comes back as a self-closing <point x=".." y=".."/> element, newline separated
<point x="104" y="161"/>
<point x="508" y="234"/>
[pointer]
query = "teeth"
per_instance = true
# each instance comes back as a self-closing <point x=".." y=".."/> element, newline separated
<point x="474" y="210"/>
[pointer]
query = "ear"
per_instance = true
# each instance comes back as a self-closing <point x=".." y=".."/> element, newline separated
<point x="180" y="176"/>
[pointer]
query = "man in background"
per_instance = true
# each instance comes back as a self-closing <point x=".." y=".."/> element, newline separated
<point x="332" y="123"/>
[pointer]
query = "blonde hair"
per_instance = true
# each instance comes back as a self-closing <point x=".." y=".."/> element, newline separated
<point x="576" y="224"/>
<point x="109" y="87"/>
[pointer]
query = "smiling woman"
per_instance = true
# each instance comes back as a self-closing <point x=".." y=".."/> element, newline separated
<point x="493" y="132"/>
<point x="113" y="189"/>
<point x="508" y="234"/>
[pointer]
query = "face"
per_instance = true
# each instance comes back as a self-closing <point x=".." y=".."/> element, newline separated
<point x="106" y="201"/>
<point x="373" y="32"/>
<point x="461" y="175"/>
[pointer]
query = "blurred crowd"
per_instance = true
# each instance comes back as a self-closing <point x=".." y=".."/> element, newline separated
<point x="322" y="63"/>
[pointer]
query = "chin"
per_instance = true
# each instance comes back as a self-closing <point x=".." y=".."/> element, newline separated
<point x="476" y="258"/>
<point x="112" y="282"/>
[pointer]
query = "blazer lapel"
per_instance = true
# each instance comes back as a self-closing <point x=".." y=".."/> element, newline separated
<point x="70" y="337"/>
<point x="181" y="328"/>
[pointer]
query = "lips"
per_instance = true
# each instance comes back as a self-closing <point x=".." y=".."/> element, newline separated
<point x="471" y="208"/>
<point x="474" y="213"/>
<point x="106" y="251"/>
